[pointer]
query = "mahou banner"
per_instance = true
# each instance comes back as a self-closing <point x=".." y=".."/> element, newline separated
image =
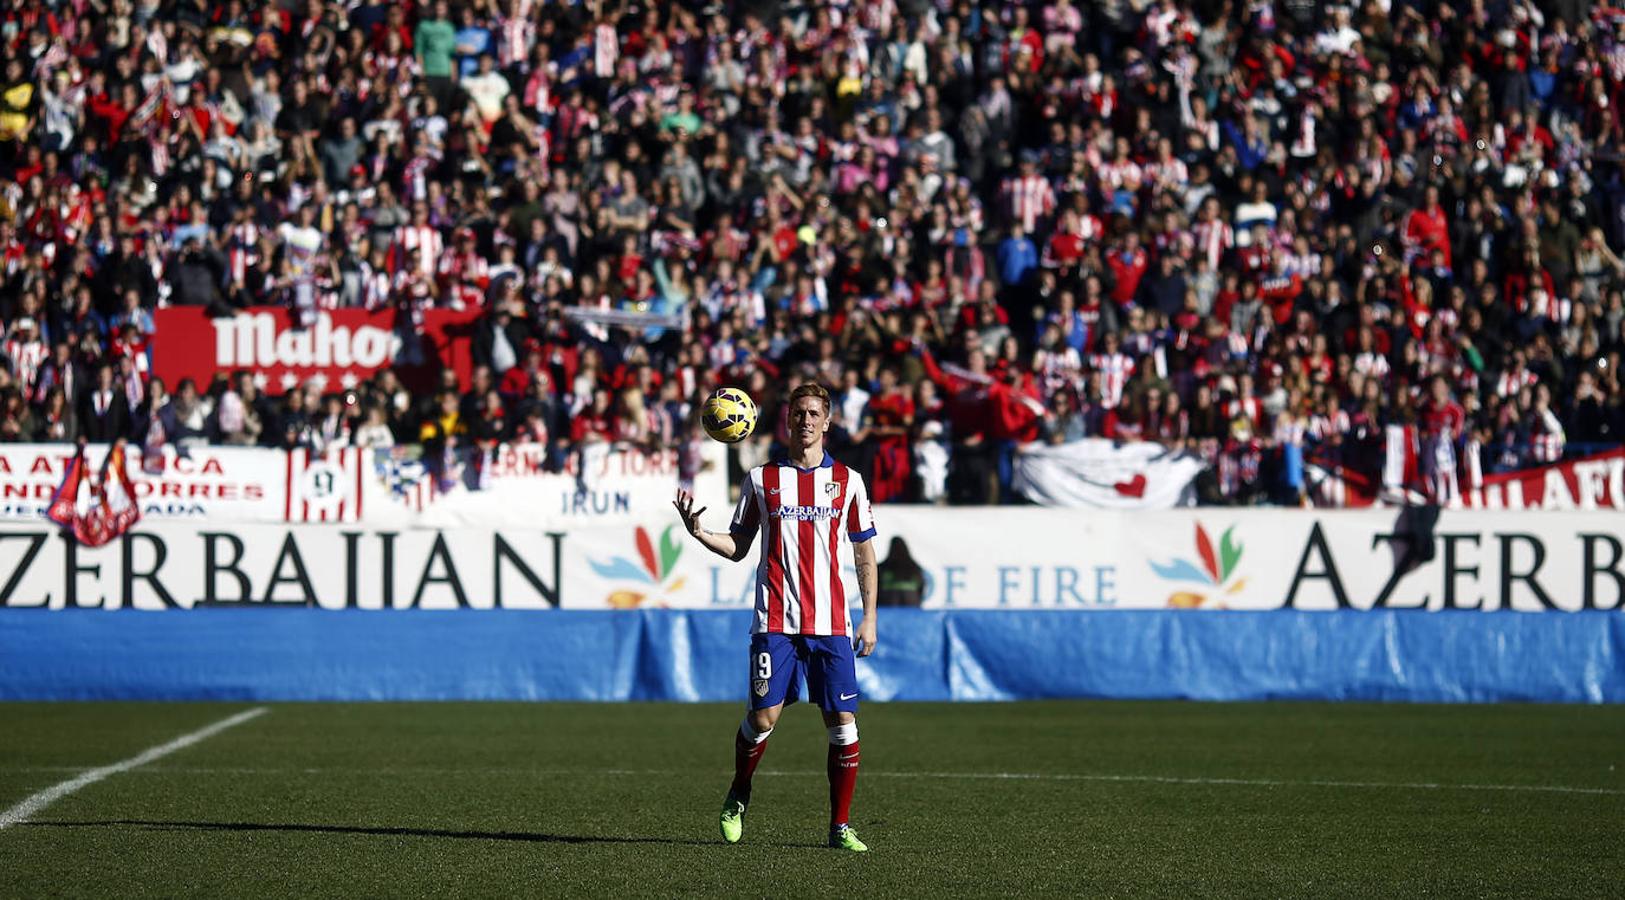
<point x="1592" y="482"/>
<point x="340" y="349"/>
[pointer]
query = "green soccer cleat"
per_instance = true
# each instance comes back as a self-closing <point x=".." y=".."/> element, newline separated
<point x="733" y="819"/>
<point x="844" y="838"/>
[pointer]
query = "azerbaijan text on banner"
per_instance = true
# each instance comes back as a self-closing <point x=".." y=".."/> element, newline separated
<point x="1022" y="558"/>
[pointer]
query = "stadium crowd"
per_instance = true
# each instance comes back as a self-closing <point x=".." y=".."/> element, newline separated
<point x="1235" y="227"/>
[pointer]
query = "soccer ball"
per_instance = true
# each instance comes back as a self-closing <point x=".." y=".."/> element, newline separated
<point x="729" y="415"/>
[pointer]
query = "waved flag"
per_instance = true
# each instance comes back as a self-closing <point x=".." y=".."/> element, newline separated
<point x="1098" y="473"/>
<point x="107" y="510"/>
<point x="64" y="506"/>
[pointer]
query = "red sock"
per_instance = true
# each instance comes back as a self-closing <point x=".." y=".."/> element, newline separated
<point x="746" y="756"/>
<point x="843" y="778"/>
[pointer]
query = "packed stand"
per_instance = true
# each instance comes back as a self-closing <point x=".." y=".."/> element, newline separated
<point x="1261" y="232"/>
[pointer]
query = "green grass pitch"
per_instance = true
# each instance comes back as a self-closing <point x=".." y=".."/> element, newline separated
<point x="547" y="800"/>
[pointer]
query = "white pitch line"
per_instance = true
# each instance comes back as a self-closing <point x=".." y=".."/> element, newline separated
<point x="22" y="811"/>
<point x="969" y="776"/>
<point x="1248" y="782"/>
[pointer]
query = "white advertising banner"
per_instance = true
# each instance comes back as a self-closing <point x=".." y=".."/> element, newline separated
<point x="177" y="565"/>
<point x="1097" y="473"/>
<point x="512" y="488"/>
<point x="237" y="484"/>
<point x="1206" y="559"/>
<point x="971" y="558"/>
<point x="256" y="484"/>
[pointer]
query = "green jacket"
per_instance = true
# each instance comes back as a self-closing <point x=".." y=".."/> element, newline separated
<point x="434" y="41"/>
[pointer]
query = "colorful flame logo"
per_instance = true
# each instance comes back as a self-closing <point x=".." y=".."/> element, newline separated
<point x="649" y="572"/>
<point x="1215" y="569"/>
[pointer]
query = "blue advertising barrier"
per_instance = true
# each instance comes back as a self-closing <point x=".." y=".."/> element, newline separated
<point x="308" y="654"/>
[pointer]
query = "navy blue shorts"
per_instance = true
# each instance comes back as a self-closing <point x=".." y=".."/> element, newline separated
<point x="779" y="663"/>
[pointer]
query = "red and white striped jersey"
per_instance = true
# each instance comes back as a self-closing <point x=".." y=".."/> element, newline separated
<point x="1323" y="427"/>
<point x="1170" y="173"/>
<point x="1115" y="370"/>
<point x="802" y="515"/>
<point x="1029" y="197"/>
<point x="26" y="359"/>
<point x="1546" y="437"/>
<point x="1372" y="364"/>
<point x="243" y="243"/>
<point x="1124" y="175"/>
<point x="1213" y="238"/>
<point x="426" y="240"/>
<point x="515" y="35"/>
<point x="1514" y="380"/>
<point x="1251" y="407"/>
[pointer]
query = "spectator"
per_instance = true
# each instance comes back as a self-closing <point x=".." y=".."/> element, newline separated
<point x="57" y="423"/>
<point x="890" y="421"/>
<point x="147" y="427"/>
<point x="1017" y="257"/>
<point x="17" y="422"/>
<point x="198" y="276"/>
<point x="295" y="425"/>
<point x="104" y="413"/>
<point x="901" y="579"/>
<point x="434" y="42"/>
<point x="1344" y="194"/>
<point x="487" y="88"/>
<point x="490" y="425"/>
<point x="498" y="340"/>
<point x="185" y="418"/>
<point x="332" y="425"/>
<point x="374" y="430"/>
<point x="595" y="424"/>
<point x="1062" y="423"/>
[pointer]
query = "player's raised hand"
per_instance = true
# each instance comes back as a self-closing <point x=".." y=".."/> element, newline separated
<point x="685" y="509"/>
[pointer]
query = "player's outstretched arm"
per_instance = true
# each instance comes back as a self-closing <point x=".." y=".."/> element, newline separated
<point x="863" y="559"/>
<point x="721" y="544"/>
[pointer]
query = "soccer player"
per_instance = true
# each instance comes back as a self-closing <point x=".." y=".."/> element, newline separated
<point x="803" y="505"/>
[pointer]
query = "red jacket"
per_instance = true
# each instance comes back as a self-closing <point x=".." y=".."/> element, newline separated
<point x="967" y="400"/>
<point x="1128" y="268"/>
<point x="1280" y="294"/>
<point x="1429" y="232"/>
<point x="1016" y="412"/>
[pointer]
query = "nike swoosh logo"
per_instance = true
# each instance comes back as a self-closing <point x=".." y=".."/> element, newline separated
<point x="848" y="696"/>
<point x="774" y="491"/>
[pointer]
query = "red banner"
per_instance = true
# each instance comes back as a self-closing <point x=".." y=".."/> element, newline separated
<point x="1591" y="482"/>
<point x="343" y="348"/>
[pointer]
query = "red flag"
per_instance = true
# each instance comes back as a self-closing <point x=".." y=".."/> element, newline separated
<point x="119" y="508"/>
<point x="64" y="508"/>
<point x="111" y="509"/>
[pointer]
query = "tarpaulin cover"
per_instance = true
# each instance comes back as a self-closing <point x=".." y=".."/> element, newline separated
<point x="309" y="654"/>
